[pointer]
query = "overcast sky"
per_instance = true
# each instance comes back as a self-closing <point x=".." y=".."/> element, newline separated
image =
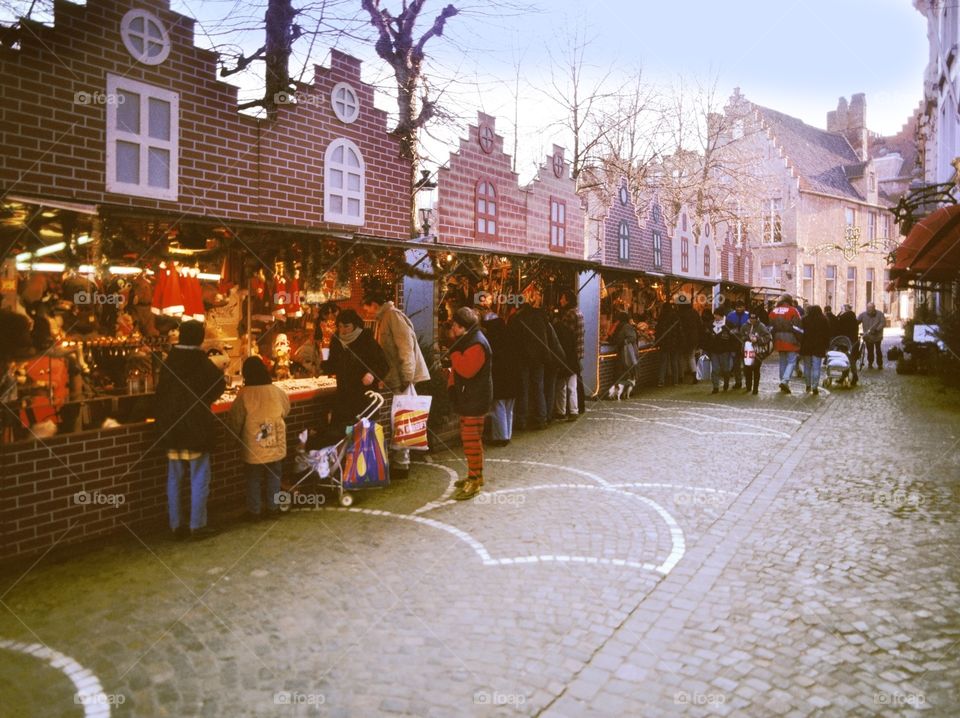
<point x="795" y="56"/>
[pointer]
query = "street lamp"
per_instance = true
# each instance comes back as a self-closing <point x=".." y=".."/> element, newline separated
<point x="426" y="216"/>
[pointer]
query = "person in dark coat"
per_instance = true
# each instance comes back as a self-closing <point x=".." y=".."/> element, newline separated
<point x="358" y="363"/>
<point x="848" y="326"/>
<point x="720" y="342"/>
<point x="189" y="384"/>
<point x="670" y="340"/>
<point x="623" y="336"/>
<point x="531" y="331"/>
<point x="813" y="346"/>
<point x="471" y="393"/>
<point x="738" y="318"/>
<point x="691" y="340"/>
<point x="506" y="378"/>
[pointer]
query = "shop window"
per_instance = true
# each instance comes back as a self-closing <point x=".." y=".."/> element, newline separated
<point x="142" y="135"/>
<point x="807" y="277"/>
<point x="684" y="254"/>
<point x="706" y="260"/>
<point x="773" y="221"/>
<point x="486" y="210"/>
<point x="344" y="184"/>
<point x="871" y="278"/>
<point x="657" y="250"/>
<point x="852" y="286"/>
<point x="558" y="224"/>
<point x="624" y="244"/>
<point x="830" y="285"/>
<point x="145" y="37"/>
<point x="346" y="105"/>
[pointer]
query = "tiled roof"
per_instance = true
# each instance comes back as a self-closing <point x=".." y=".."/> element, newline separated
<point x="819" y="157"/>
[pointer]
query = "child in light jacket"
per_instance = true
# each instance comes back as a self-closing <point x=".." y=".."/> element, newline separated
<point x="257" y="419"/>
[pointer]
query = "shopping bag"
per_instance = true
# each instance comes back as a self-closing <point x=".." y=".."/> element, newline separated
<point x="749" y="353"/>
<point x="703" y="367"/>
<point x="365" y="463"/>
<point x="409" y="415"/>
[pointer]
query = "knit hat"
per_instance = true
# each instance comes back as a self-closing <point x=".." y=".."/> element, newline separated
<point x="191" y="334"/>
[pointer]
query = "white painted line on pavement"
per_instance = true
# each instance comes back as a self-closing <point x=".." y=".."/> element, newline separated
<point x="447" y="493"/>
<point x="89" y="691"/>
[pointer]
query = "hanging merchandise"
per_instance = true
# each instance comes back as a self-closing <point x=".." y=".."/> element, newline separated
<point x="167" y="296"/>
<point x="192" y="294"/>
<point x="280" y="296"/>
<point x="295" y="310"/>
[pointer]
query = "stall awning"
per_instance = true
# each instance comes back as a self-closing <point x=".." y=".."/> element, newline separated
<point x="931" y="252"/>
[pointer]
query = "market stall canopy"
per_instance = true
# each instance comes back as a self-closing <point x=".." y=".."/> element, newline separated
<point x="931" y="252"/>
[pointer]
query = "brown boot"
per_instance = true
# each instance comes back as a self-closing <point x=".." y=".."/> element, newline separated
<point x="460" y="482"/>
<point x="470" y="488"/>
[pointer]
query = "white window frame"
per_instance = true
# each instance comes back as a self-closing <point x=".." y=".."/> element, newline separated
<point x="328" y="192"/>
<point x="558" y="223"/>
<point x="772" y="221"/>
<point x="116" y="84"/>
<point x="657" y="249"/>
<point x="342" y="115"/>
<point x="623" y="238"/>
<point x="148" y="18"/>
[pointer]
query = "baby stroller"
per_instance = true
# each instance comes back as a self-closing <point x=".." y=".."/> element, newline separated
<point x="321" y="460"/>
<point x="840" y="367"/>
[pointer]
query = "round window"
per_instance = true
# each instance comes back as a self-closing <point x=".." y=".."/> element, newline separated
<point x="346" y="105"/>
<point x="486" y="138"/>
<point x="624" y="195"/>
<point x="145" y="37"/>
<point x="558" y="165"/>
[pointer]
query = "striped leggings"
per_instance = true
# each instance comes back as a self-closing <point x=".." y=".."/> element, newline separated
<point x="471" y="434"/>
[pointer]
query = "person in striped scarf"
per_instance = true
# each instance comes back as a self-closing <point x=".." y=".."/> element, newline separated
<point x="471" y="392"/>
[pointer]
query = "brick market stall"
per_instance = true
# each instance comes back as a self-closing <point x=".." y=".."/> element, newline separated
<point x="110" y="484"/>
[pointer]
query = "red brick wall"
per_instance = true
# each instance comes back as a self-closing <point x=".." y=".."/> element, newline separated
<point x="231" y="166"/>
<point x="456" y="193"/>
<point x="564" y="189"/>
<point x="38" y="505"/>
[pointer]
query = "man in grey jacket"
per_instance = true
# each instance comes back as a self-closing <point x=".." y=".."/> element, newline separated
<point x="873" y="323"/>
<point x="394" y="331"/>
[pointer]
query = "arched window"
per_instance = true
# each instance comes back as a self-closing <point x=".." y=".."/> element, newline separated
<point x="683" y="222"/>
<point x="684" y="254"/>
<point x="624" y="245"/>
<point x="706" y="260"/>
<point x="657" y="249"/>
<point x="343" y="184"/>
<point x="486" y="206"/>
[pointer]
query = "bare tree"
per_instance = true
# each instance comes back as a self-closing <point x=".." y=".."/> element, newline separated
<point x="705" y="166"/>
<point x="397" y="45"/>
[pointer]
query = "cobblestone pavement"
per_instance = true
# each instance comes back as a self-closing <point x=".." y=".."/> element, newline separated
<point x="674" y="554"/>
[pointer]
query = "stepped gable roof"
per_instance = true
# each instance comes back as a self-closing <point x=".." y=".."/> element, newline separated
<point x="820" y="158"/>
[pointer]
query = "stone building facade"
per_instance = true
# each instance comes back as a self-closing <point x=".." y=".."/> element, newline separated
<point x="816" y="221"/>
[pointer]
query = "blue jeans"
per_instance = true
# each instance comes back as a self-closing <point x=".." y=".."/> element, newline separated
<point x="271" y="473"/>
<point x="531" y="382"/>
<point x="199" y="490"/>
<point x="811" y="370"/>
<point x="501" y="420"/>
<point x="720" y="363"/>
<point x="788" y="362"/>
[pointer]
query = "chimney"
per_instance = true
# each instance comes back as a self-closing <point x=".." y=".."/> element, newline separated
<point x="857" y="125"/>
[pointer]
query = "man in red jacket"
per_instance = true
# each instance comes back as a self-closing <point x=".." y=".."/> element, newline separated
<point x="786" y="328"/>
